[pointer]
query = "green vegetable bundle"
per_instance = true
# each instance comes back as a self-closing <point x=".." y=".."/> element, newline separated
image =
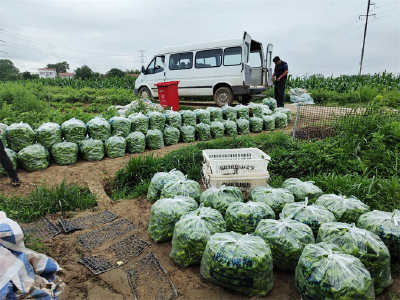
<point x="301" y="189"/>
<point x="266" y="110"/>
<point x="243" y="126"/>
<point x="287" y="239"/>
<point x="115" y="146"/>
<point x="269" y="123"/>
<point x="244" y="217"/>
<point x="3" y="134"/>
<point x="242" y="263"/>
<point x="243" y="111"/>
<point x="229" y="112"/>
<point x="256" y="124"/>
<point x="74" y="130"/>
<point x="271" y="102"/>
<point x="221" y="198"/>
<point x="92" y="149"/>
<point x="34" y="158"/>
<point x="386" y="225"/>
<point x="135" y="142"/>
<point x="184" y="187"/>
<point x="188" y="118"/>
<point x="312" y="215"/>
<point x="230" y="128"/>
<point x="156" y="121"/>
<point x="256" y="109"/>
<point x="171" y="135"/>
<point x="324" y="272"/>
<point x="120" y="126"/>
<point x="48" y="134"/>
<point x="157" y="183"/>
<point x="281" y="120"/>
<point x="215" y="114"/>
<point x="165" y="213"/>
<point x="65" y="153"/>
<point x="345" y="209"/>
<point x="275" y="198"/>
<point x="173" y="119"/>
<point x="288" y="112"/>
<point x="19" y="136"/>
<point x="154" y="139"/>
<point x="139" y="122"/>
<point x="364" y="245"/>
<point x="188" y="133"/>
<point x="203" y="132"/>
<point x="99" y="128"/>
<point x="192" y="232"/>
<point x="14" y="160"/>
<point x="202" y="116"/>
<point x="217" y="130"/>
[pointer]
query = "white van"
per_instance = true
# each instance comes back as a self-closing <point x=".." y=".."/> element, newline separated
<point x="234" y="69"/>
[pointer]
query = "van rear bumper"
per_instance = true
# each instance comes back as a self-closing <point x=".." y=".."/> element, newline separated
<point x="243" y="90"/>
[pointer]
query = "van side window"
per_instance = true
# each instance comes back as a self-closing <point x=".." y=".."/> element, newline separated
<point x="159" y="65"/>
<point x="246" y="52"/>
<point x="209" y="58"/>
<point x="233" y="56"/>
<point x="181" y="61"/>
<point x="255" y="59"/>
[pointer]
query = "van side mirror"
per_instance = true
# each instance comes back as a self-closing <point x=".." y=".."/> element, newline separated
<point x="143" y="70"/>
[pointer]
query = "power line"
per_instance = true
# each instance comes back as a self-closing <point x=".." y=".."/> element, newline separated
<point x="365" y="32"/>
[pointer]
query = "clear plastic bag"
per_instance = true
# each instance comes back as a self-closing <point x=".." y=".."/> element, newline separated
<point x="288" y="112"/>
<point x="266" y="110"/>
<point x="14" y="160"/>
<point x="158" y="181"/>
<point x="230" y="128"/>
<point x="65" y="153"/>
<point x="217" y="130"/>
<point x="221" y="198"/>
<point x="156" y="121"/>
<point x="386" y="225"/>
<point x="135" y="142"/>
<point x="188" y="118"/>
<point x="188" y="134"/>
<point x="256" y="109"/>
<point x="301" y="189"/>
<point x="19" y="136"/>
<point x="139" y="122"/>
<point x="120" y="126"/>
<point x="275" y="198"/>
<point x="311" y="215"/>
<point x="173" y="119"/>
<point x="203" y="132"/>
<point x="271" y="102"/>
<point x="325" y="272"/>
<point x="171" y="135"/>
<point x="243" y="126"/>
<point x="244" y="217"/>
<point x="202" y="116"/>
<point x="281" y="120"/>
<point x="242" y="263"/>
<point x="229" y="112"/>
<point x="364" y="245"/>
<point x="48" y="134"/>
<point x="154" y="139"/>
<point x="269" y="123"/>
<point x="34" y="158"/>
<point x="165" y="213"/>
<point x="345" y="209"/>
<point x="115" y="146"/>
<point x="92" y="150"/>
<point x="215" y="114"/>
<point x="184" y="187"/>
<point x="287" y="239"/>
<point x="99" y="129"/>
<point x="192" y="233"/>
<point x="243" y="112"/>
<point x="256" y="124"/>
<point x="74" y="130"/>
<point x="3" y="134"/>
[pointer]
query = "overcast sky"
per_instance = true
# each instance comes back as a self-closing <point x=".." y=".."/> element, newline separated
<point x="313" y="37"/>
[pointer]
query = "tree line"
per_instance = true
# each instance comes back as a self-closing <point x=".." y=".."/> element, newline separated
<point x="9" y="72"/>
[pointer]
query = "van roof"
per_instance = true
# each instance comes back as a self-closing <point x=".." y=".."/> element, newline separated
<point x="206" y="45"/>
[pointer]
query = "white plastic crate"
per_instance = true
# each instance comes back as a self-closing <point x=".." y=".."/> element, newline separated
<point x="236" y="161"/>
<point x="244" y="182"/>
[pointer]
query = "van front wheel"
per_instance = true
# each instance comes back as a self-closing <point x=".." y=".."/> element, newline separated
<point x="144" y="92"/>
<point x="223" y="95"/>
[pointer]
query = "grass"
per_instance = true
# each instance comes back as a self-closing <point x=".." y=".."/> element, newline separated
<point x="47" y="200"/>
<point x="34" y="244"/>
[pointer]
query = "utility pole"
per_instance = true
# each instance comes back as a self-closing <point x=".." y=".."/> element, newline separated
<point x="142" y="56"/>
<point x="365" y="31"/>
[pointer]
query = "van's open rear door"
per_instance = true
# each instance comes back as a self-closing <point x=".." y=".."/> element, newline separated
<point x="268" y="58"/>
<point x="246" y="54"/>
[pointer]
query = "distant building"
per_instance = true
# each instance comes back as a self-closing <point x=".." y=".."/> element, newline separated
<point x="47" y="73"/>
<point x="66" y="75"/>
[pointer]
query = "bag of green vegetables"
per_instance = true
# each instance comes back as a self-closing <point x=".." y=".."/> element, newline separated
<point x="74" y="130"/>
<point x="220" y="198"/>
<point x="48" y="134"/>
<point x="34" y="158"/>
<point x="19" y="136"/>
<point x="158" y="181"/>
<point x="276" y="198"/>
<point x="99" y="128"/>
<point x="65" y="153"/>
<point x="136" y="142"/>
<point x="115" y="146"/>
<point x="301" y="189"/>
<point x="183" y="187"/>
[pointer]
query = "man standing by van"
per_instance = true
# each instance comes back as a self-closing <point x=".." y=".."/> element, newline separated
<point x="281" y="71"/>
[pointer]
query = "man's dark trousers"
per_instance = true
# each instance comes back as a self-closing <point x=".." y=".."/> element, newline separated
<point x="6" y="162"/>
<point x="280" y="92"/>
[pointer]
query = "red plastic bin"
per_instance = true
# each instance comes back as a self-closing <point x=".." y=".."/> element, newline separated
<point x="168" y="94"/>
